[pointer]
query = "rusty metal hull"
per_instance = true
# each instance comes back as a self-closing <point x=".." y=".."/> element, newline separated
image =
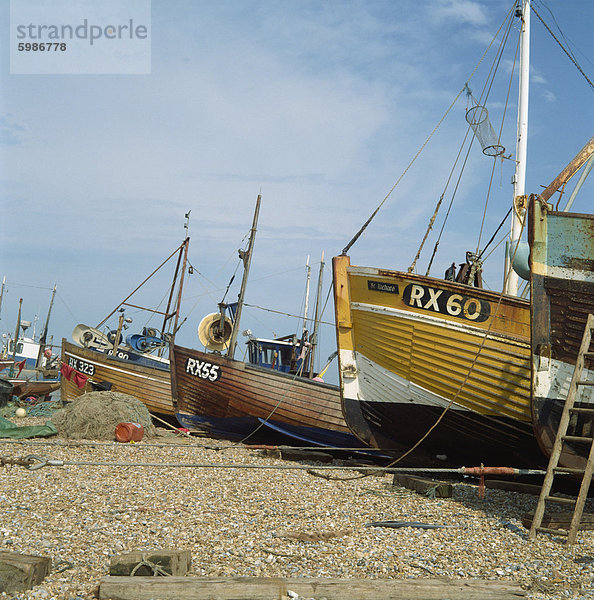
<point x="230" y="398"/>
<point x="562" y="292"/>
<point x="152" y="386"/>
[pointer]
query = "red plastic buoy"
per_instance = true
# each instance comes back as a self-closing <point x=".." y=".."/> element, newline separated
<point x="129" y="432"/>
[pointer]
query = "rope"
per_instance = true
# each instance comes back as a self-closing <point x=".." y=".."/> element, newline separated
<point x="571" y="58"/>
<point x="410" y="164"/>
<point x="450" y="205"/>
<point x="144" y="444"/>
<point x="156" y="568"/>
<point x="33" y="463"/>
<point x="496" y="232"/>
<point x="478" y="242"/>
<point x="491" y="77"/>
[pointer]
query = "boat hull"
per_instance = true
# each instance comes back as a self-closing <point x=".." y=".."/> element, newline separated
<point x="429" y="361"/>
<point x="151" y="385"/>
<point x="30" y="387"/>
<point x="229" y="398"/>
<point x="562" y="291"/>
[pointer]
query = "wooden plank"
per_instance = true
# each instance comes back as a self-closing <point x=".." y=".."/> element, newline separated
<point x="427" y="487"/>
<point x="513" y="486"/>
<point x="19" y="572"/>
<point x="560" y="520"/>
<point x="155" y="562"/>
<point x="272" y="588"/>
<point x="296" y="454"/>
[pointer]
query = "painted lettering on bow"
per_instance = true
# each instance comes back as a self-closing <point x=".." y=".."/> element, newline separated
<point x="380" y="286"/>
<point x="203" y="369"/>
<point x="446" y="302"/>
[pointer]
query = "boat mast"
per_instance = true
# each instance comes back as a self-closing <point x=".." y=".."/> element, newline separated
<point x="2" y="293"/>
<point x="306" y="309"/>
<point x="43" y="336"/>
<point x="246" y="256"/>
<point x="17" y="330"/>
<point x="181" y="287"/>
<point x="314" y="336"/>
<point x="519" y="180"/>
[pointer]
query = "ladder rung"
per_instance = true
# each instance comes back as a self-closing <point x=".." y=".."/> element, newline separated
<point x="568" y="470"/>
<point x="583" y="411"/>
<point x="553" y="531"/>
<point x="585" y="382"/>
<point x="560" y="500"/>
<point x="577" y="438"/>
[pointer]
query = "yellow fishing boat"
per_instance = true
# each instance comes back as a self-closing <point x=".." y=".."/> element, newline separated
<point x="443" y="364"/>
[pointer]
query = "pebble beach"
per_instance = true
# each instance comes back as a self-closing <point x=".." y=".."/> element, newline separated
<point x="273" y="519"/>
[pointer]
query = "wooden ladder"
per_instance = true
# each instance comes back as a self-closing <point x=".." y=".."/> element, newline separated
<point x="568" y="410"/>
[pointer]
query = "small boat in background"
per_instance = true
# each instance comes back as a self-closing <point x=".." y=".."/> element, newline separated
<point x="27" y="352"/>
<point x="29" y="364"/>
<point x="275" y="388"/>
<point x="138" y="364"/>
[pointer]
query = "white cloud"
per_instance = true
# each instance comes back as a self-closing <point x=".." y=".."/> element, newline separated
<point x="465" y="11"/>
<point x="549" y="96"/>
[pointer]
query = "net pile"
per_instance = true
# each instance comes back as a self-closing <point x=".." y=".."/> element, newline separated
<point x="95" y="415"/>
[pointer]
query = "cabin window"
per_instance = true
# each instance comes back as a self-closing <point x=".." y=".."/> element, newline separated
<point x="268" y="356"/>
<point x="20" y="347"/>
<point x="286" y="355"/>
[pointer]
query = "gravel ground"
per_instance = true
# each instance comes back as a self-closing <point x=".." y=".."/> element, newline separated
<point x="265" y="522"/>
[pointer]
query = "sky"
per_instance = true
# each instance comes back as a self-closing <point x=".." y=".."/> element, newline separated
<point x="320" y="107"/>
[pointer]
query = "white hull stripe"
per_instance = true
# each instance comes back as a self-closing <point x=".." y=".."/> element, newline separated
<point x="378" y="384"/>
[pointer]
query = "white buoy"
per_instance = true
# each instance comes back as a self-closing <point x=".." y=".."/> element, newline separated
<point x="21" y="412"/>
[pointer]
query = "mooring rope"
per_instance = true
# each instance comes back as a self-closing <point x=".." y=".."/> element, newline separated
<point x="33" y="462"/>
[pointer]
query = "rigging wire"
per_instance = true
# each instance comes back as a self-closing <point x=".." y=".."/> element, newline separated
<point x="545" y="7"/>
<point x="490" y="77"/>
<point x="478" y="243"/>
<point x="410" y="164"/>
<point x="496" y="232"/>
<point x="569" y="54"/>
<point x="286" y="314"/>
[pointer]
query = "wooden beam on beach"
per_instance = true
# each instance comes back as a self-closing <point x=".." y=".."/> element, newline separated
<point x="513" y="486"/>
<point x="151" y="563"/>
<point x="277" y="588"/>
<point x="424" y="486"/>
<point x="20" y="572"/>
<point x="560" y="520"/>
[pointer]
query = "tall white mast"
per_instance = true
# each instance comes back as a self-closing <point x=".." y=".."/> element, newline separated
<point x="519" y="180"/>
